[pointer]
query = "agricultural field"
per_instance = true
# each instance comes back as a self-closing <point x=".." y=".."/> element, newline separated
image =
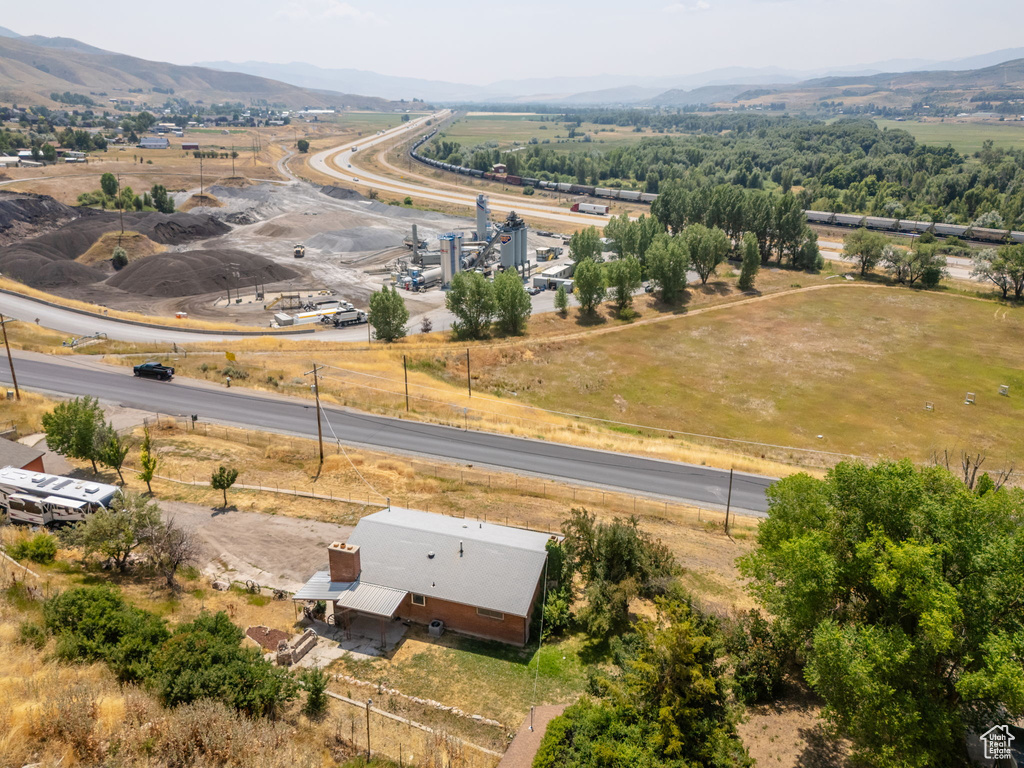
<point x="964" y="137"/>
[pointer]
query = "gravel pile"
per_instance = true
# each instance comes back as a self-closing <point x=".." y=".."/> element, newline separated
<point x="189" y="273"/>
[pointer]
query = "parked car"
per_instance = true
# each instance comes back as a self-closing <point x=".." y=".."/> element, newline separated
<point x="154" y="370"/>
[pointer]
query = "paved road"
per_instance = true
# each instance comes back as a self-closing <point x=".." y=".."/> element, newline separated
<point x="703" y="486"/>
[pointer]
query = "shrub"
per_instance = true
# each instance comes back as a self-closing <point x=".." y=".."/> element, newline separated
<point x="315" y="683"/>
<point x="757" y="659"/>
<point x="32" y="634"/>
<point x="235" y="373"/>
<point x="41" y="548"/>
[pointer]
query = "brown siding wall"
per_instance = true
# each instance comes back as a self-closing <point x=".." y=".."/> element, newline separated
<point x="465" y="619"/>
<point x="36" y="465"/>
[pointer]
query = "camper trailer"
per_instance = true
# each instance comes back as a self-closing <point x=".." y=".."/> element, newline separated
<point x="40" y="499"/>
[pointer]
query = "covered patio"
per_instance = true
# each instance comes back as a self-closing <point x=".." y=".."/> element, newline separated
<point x="360" y="616"/>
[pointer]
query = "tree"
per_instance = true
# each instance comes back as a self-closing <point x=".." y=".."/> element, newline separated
<point x="71" y="428"/>
<point x="388" y="314"/>
<point x="119" y="259"/>
<point x="471" y="299"/>
<point x="668" y="261"/>
<point x="303" y="145"/>
<point x="171" y="548"/>
<point x="892" y="581"/>
<point x="315" y="683"/>
<point x="108" y="183"/>
<point x="585" y="244"/>
<point x="223" y="479"/>
<point x="707" y="247"/>
<point x="112" y="449"/>
<point x="864" y="248"/>
<point x="512" y="306"/>
<point x="751" y="263"/>
<point x="162" y="201"/>
<point x="147" y="461"/>
<point x="624" y="276"/>
<point x="588" y="285"/>
<point x="115" y="533"/>
<point x="561" y="300"/>
<point x="1004" y="268"/>
<point x="922" y="263"/>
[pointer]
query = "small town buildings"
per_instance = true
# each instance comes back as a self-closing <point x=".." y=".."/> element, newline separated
<point x="447" y="573"/>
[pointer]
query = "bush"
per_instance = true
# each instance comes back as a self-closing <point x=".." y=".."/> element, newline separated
<point x="41" y="548"/>
<point x="315" y="683"/>
<point x="32" y="634"/>
<point x="120" y="258"/>
<point x="557" y="615"/>
<point x="235" y="373"/>
<point x="757" y="659"/>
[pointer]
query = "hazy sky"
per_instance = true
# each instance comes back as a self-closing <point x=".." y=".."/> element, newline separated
<point x="476" y="41"/>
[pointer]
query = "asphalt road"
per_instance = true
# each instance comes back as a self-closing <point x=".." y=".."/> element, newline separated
<point x="703" y="486"/>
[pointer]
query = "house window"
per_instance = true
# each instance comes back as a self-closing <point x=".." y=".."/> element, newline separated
<point x="490" y="614"/>
<point x="419" y="600"/>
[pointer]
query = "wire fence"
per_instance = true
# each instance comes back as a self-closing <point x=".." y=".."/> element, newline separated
<point x="378" y="733"/>
<point x="615" y="502"/>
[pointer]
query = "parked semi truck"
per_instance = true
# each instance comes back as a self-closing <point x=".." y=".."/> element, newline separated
<point x="597" y="210"/>
<point x="344" y="317"/>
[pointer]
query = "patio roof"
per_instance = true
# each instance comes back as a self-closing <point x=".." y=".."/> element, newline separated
<point x="356" y="595"/>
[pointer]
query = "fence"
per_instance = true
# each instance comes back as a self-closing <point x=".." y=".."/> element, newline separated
<point x="645" y="507"/>
<point x="404" y="741"/>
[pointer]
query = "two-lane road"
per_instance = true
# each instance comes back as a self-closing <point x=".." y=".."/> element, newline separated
<point x="703" y="486"/>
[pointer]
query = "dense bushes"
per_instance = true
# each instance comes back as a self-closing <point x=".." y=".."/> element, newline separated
<point x="201" y="660"/>
<point x="41" y="548"/>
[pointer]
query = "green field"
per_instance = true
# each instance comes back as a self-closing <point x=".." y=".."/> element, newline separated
<point x="855" y="365"/>
<point x="963" y="137"/>
<point x="507" y="130"/>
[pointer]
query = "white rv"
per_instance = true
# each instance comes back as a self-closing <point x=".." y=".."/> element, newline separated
<point x="39" y="498"/>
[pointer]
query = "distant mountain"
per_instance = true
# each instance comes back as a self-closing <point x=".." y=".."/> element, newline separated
<point x="5" y="32"/>
<point x="1007" y="73"/>
<point x="34" y="67"/>
<point x="709" y="94"/>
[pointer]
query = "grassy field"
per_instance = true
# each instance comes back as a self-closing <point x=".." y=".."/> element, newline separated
<point x="965" y="137"/>
<point x="853" y="365"/>
<point x="509" y="130"/>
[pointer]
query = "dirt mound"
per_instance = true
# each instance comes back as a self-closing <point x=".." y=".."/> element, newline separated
<point x="23" y="215"/>
<point x="340" y="193"/>
<point x="194" y="272"/>
<point x="28" y="261"/>
<point x="137" y="245"/>
<point x="236" y="182"/>
<point x="200" y="201"/>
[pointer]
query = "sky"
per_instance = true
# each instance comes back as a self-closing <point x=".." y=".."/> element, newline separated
<point x="481" y="41"/>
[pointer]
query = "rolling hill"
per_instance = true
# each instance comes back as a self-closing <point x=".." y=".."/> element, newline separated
<point x="31" y="69"/>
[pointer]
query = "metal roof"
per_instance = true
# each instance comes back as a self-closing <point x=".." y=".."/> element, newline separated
<point x="357" y="595"/>
<point x="498" y="567"/>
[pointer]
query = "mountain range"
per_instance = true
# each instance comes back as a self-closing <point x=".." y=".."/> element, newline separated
<point x="32" y="67"/>
<point x="592" y="89"/>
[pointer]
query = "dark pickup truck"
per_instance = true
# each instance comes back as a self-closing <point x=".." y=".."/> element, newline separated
<point x="154" y="371"/>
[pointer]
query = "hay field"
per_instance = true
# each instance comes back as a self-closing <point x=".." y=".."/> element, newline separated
<point x="510" y="129"/>
<point x="963" y="135"/>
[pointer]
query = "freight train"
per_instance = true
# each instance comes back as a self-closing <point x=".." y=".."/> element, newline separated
<point x="826" y="218"/>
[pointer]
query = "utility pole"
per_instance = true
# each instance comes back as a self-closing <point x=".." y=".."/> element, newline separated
<point x="728" y="503"/>
<point x="200" y="174"/>
<point x="120" y="207"/>
<point x="10" y="360"/>
<point x="405" y="368"/>
<point x="232" y="159"/>
<point x="469" y="381"/>
<point x="316" y="394"/>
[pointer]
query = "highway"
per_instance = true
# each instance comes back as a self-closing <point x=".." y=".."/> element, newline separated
<point x="702" y="486"/>
<point x="336" y="162"/>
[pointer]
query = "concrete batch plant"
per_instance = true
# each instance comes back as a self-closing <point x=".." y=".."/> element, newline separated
<point x="512" y="238"/>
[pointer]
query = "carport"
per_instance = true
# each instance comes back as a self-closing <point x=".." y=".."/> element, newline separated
<point x="349" y="601"/>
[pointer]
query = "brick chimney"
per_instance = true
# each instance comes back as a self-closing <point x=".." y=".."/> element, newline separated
<point x="344" y="561"/>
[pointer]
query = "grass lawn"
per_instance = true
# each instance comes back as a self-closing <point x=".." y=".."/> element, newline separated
<point x="855" y="365"/>
<point x="965" y="137"/>
<point x="485" y="678"/>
